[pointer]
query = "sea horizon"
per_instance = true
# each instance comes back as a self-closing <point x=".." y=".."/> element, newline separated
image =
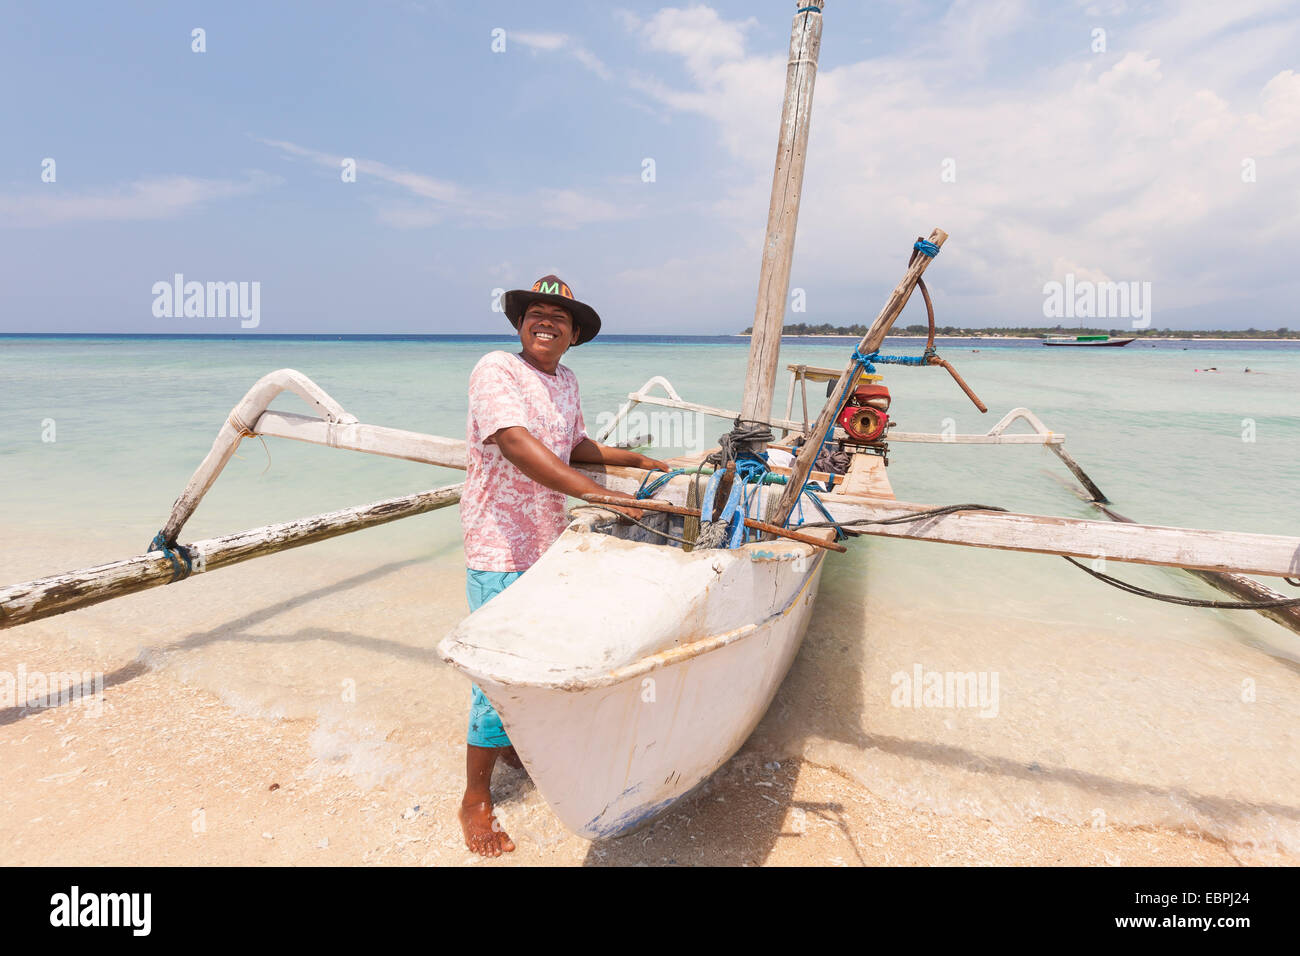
<point x="614" y="338"/>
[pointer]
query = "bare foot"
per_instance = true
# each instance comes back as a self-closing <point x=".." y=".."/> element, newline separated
<point x="483" y="832"/>
<point x="512" y="758"/>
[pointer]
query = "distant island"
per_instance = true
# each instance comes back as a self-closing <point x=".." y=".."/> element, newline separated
<point x="857" y="331"/>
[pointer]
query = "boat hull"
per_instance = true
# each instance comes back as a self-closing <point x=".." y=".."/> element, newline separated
<point x="610" y="751"/>
<point x="1071" y="343"/>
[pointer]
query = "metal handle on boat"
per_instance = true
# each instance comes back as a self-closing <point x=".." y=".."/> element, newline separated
<point x="935" y="360"/>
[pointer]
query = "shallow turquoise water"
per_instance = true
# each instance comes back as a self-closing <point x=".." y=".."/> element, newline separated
<point x="1128" y="707"/>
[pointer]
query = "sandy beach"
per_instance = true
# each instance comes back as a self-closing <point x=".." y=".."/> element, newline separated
<point x="169" y="772"/>
<point x="173" y="776"/>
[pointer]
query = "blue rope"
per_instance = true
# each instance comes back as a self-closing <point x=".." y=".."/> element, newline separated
<point x="863" y="362"/>
<point x="159" y="543"/>
<point x="648" y="490"/>
<point x="900" y="359"/>
<point x="839" y="532"/>
<point x="808" y="10"/>
<point x="927" y="247"/>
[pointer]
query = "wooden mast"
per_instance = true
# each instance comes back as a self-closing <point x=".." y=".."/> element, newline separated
<point x="783" y="212"/>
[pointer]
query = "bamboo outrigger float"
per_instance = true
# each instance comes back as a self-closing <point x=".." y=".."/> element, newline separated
<point x="606" y="716"/>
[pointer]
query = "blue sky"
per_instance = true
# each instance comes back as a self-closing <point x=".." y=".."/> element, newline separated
<point x="480" y="170"/>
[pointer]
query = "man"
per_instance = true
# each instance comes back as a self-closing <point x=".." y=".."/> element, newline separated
<point x="525" y="426"/>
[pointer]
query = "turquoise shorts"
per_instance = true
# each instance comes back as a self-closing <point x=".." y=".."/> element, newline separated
<point x="485" y="728"/>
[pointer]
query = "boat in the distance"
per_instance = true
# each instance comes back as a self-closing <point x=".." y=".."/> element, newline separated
<point x="1087" y="340"/>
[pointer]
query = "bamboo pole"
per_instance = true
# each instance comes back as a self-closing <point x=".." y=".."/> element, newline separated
<point x="870" y="343"/>
<point x="783" y="211"/>
<point x="60" y="593"/>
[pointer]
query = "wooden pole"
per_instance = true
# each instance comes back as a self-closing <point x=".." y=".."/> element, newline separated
<point x="1237" y="585"/>
<point x="783" y="211"/>
<point x="1202" y="549"/>
<point x="59" y="593"/>
<point x="870" y="343"/>
<point x="239" y="423"/>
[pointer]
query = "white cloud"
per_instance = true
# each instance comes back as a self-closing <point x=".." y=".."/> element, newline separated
<point x="1126" y="164"/>
<point x="430" y="200"/>
<point x="563" y="43"/>
<point x="162" y="198"/>
<point x="426" y="187"/>
<point x="698" y="35"/>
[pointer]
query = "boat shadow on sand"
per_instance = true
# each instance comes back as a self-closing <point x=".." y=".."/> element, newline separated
<point x="769" y="804"/>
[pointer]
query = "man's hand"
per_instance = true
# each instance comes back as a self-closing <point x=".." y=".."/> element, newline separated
<point x="590" y="452"/>
<point x="652" y="463"/>
<point x="522" y="449"/>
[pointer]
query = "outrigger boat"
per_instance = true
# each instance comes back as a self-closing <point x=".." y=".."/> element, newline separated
<point x="615" y="721"/>
<point x="1088" y="340"/>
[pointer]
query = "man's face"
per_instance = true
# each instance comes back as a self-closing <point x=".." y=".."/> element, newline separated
<point x="546" y="332"/>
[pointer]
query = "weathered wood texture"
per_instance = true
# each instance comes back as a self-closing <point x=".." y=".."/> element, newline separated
<point x="372" y="439"/>
<point x="783" y="213"/>
<point x="240" y="423"/>
<point x="1236" y="585"/>
<point x="59" y="593"/>
<point x="1192" y="548"/>
<point x="866" y="476"/>
<point x="1207" y="550"/>
<point x="870" y="343"/>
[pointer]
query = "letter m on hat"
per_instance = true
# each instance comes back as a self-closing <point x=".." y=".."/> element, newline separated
<point x="552" y="288"/>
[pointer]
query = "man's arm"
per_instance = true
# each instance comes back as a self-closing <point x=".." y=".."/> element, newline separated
<point x="591" y="453"/>
<point x="522" y="449"/>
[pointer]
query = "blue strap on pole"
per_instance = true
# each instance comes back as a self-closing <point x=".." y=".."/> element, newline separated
<point x="710" y="491"/>
<point x="159" y="543"/>
<point x="927" y="247"/>
<point x="808" y="10"/>
<point x="731" y="512"/>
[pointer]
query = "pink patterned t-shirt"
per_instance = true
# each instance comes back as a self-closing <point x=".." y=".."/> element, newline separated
<point x="508" y="519"/>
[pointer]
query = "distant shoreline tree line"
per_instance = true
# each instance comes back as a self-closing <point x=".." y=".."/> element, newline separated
<point x="857" y="331"/>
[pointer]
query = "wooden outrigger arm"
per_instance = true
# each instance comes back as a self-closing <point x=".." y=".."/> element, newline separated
<point x="335" y="428"/>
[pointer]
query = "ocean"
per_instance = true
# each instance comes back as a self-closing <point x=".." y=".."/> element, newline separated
<point x="1099" y="708"/>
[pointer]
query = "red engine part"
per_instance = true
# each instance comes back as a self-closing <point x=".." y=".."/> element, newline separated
<point x="866" y="414"/>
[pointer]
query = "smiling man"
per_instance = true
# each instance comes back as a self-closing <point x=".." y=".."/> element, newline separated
<point x="525" y="426"/>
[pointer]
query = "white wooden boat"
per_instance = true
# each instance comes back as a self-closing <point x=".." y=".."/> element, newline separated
<point x="616" y="715"/>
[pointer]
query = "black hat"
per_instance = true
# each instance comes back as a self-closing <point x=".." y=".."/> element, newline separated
<point x="556" y="291"/>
